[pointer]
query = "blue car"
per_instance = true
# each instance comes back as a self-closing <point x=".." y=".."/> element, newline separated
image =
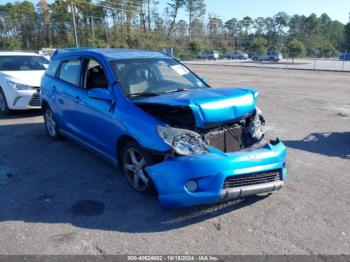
<point x="344" y="57"/>
<point x="165" y="127"/>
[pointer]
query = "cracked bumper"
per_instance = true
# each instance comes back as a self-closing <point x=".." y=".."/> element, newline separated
<point x="210" y="171"/>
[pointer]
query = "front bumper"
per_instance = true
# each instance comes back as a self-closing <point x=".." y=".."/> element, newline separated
<point x="210" y="171"/>
<point x="23" y="99"/>
<point x="234" y="193"/>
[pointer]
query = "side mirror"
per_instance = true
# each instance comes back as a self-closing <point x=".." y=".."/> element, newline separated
<point x="101" y="94"/>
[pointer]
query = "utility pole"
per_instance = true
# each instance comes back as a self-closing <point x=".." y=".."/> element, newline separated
<point x="92" y="29"/>
<point x="74" y="25"/>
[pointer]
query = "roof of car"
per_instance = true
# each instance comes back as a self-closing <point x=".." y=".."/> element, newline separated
<point x="110" y="53"/>
<point x="8" y="53"/>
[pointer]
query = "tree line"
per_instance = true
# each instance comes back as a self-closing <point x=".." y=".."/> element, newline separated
<point x="141" y="24"/>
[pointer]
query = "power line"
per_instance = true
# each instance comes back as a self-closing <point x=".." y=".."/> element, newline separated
<point x="129" y="3"/>
<point x="115" y="8"/>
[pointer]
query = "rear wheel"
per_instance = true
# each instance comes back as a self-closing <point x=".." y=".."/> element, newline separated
<point x="134" y="161"/>
<point x="51" y="124"/>
<point x="3" y="103"/>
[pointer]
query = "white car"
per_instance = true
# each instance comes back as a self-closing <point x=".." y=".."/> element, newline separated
<point x="20" y="77"/>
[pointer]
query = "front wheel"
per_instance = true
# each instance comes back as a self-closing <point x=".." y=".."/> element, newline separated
<point x="134" y="161"/>
<point x="51" y="126"/>
<point x="3" y="103"/>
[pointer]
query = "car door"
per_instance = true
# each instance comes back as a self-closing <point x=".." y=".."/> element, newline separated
<point x="67" y="91"/>
<point x="95" y="118"/>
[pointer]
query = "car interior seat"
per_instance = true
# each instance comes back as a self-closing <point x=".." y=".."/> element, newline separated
<point x="136" y="79"/>
<point x="96" y="78"/>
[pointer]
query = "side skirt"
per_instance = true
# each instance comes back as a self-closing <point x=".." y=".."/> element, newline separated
<point x="91" y="148"/>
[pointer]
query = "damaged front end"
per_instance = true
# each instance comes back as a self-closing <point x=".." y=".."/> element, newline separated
<point x="220" y="149"/>
<point x="229" y="136"/>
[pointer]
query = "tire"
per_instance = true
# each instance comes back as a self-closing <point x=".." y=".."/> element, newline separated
<point x="133" y="162"/>
<point x="3" y="103"/>
<point x="51" y="126"/>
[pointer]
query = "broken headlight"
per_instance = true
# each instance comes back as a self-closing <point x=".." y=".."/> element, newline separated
<point x="256" y="125"/>
<point x="184" y="142"/>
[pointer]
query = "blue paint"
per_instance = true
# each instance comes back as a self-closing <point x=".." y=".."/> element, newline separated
<point x="98" y="119"/>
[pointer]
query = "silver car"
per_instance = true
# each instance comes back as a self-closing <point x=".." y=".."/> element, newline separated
<point x="272" y="56"/>
<point x="236" y="55"/>
<point x="210" y="55"/>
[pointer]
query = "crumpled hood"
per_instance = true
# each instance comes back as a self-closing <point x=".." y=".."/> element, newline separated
<point x="31" y="78"/>
<point x="210" y="105"/>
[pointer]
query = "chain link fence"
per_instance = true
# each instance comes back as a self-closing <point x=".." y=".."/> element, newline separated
<point x="284" y="60"/>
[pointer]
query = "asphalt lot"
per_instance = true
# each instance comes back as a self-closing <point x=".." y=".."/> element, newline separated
<point x="298" y="63"/>
<point x="58" y="198"/>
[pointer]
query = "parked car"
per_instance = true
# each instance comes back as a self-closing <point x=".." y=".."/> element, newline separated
<point x="20" y="76"/>
<point x="236" y="55"/>
<point x="168" y="130"/>
<point x="272" y="56"/>
<point x="344" y="57"/>
<point x="210" y="55"/>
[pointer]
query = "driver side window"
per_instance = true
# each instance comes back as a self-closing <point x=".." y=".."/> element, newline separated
<point x="95" y="76"/>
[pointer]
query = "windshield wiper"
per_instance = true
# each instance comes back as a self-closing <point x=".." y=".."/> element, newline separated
<point x="143" y="94"/>
<point x="157" y="94"/>
<point x="176" y="90"/>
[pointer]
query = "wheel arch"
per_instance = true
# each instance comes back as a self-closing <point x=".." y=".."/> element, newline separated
<point x="122" y="141"/>
<point x="44" y="104"/>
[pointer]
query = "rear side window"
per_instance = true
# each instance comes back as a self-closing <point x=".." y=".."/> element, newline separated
<point x="51" y="70"/>
<point x="70" y="71"/>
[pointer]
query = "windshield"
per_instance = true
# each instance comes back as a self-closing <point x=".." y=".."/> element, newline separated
<point x="150" y="76"/>
<point x="22" y="63"/>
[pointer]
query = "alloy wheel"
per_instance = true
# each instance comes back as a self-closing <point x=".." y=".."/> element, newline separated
<point x="134" y="164"/>
<point x="2" y="102"/>
<point x="50" y="123"/>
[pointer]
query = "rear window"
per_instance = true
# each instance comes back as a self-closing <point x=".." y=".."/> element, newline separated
<point x="70" y="71"/>
<point x="22" y="63"/>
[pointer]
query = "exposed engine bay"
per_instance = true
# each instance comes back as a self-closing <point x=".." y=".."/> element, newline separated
<point x="229" y="136"/>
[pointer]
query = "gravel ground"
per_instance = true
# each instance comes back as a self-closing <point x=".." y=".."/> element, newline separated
<point x="58" y="198"/>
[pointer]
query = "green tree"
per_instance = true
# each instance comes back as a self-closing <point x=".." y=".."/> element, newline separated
<point x="196" y="10"/>
<point x="347" y="37"/>
<point x="232" y="27"/>
<point x="247" y="23"/>
<point x="260" y="26"/>
<point x="195" y="47"/>
<point x="174" y="6"/>
<point x="259" y="45"/>
<point x="296" y="49"/>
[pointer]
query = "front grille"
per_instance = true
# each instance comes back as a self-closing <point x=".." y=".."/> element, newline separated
<point x="252" y="179"/>
<point x="35" y="101"/>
